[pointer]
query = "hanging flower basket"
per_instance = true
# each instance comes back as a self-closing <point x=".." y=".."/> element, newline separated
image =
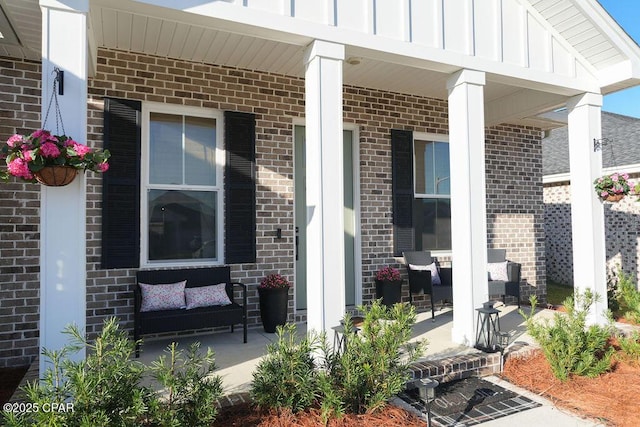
<point x="49" y="159"/>
<point x="56" y="176"/>
<point x="612" y="188"/>
<point x="614" y="198"/>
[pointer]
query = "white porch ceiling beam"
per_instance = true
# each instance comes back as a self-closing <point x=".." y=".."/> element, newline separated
<point x="611" y="77"/>
<point x="522" y="104"/>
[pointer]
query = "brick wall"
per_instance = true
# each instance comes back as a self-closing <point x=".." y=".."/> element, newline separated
<point x="621" y="234"/>
<point x="514" y="213"/>
<point x="277" y="100"/>
<point x="19" y="221"/>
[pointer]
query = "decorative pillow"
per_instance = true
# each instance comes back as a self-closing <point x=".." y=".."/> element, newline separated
<point x="498" y="271"/>
<point x="433" y="268"/>
<point x="169" y="296"/>
<point x="205" y="296"/>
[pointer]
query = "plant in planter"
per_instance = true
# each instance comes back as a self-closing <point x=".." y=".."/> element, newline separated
<point x="389" y="285"/>
<point x="49" y="159"/>
<point x="612" y="188"/>
<point x="273" y="291"/>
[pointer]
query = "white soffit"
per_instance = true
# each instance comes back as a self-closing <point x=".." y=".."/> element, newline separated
<point x="557" y="46"/>
<point x="580" y="32"/>
<point x="25" y="18"/>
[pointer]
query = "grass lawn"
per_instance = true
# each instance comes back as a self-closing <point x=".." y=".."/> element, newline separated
<point x="557" y="293"/>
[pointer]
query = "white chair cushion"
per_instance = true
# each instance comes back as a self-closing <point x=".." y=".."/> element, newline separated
<point x="433" y="268"/>
<point x="498" y="271"/>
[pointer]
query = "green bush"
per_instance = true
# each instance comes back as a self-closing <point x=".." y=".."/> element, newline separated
<point x="190" y="388"/>
<point x="105" y="387"/>
<point x="362" y="376"/>
<point x="286" y="377"/>
<point x="568" y="344"/>
<point x="629" y="297"/>
<point x="374" y="365"/>
<point x="630" y="347"/>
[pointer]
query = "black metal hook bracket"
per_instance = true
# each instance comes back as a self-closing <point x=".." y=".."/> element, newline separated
<point x="599" y="143"/>
<point x="60" y="79"/>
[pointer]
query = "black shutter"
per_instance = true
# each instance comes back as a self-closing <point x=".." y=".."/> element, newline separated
<point x="121" y="185"/>
<point x="402" y="190"/>
<point x="240" y="187"/>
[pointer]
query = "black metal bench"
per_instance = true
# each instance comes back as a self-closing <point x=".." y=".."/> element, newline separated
<point x="155" y="322"/>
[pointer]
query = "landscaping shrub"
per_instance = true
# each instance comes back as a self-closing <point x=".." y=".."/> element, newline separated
<point x="374" y="365"/>
<point x="190" y="388"/>
<point x="629" y="297"/>
<point x="568" y="344"/>
<point x="371" y="367"/>
<point x="630" y="347"/>
<point x="286" y="377"/>
<point x="105" y="388"/>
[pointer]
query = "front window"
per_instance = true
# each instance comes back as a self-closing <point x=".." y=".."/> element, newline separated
<point x="182" y="186"/>
<point x="432" y="204"/>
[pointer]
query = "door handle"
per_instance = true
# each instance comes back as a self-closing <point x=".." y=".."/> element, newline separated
<point x="297" y="242"/>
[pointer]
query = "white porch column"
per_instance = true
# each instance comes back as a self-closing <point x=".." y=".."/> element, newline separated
<point x="468" y="201"/>
<point x="325" y="204"/>
<point x="63" y="209"/>
<point x="587" y="212"/>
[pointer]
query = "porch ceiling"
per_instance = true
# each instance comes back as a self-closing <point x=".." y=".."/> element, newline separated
<point x="186" y="36"/>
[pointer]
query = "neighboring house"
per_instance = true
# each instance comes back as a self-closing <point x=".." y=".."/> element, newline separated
<point x="620" y="153"/>
<point x="340" y="133"/>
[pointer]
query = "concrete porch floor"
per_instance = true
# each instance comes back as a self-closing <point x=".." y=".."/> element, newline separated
<point x="236" y="361"/>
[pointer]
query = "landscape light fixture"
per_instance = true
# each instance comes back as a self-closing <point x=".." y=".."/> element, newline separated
<point x="502" y="342"/>
<point x="427" y="390"/>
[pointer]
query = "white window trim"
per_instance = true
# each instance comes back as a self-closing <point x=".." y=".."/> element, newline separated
<point x="156" y="107"/>
<point x="433" y="137"/>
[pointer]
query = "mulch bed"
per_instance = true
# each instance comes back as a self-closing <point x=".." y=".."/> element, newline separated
<point x="9" y="380"/>
<point x="611" y="398"/>
<point x="247" y="416"/>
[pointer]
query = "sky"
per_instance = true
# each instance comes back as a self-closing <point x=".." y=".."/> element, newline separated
<point x="627" y="14"/>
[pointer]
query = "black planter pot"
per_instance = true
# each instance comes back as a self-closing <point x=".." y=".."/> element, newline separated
<point x="390" y="291"/>
<point x="273" y="307"/>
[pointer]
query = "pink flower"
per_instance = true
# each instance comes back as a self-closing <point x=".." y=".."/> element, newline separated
<point x="103" y="167"/>
<point x="49" y="149"/>
<point x="604" y="194"/>
<point x="625" y="176"/>
<point x="19" y="167"/>
<point x="40" y="133"/>
<point x="614" y="177"/>
<point x="81" y="149"/>
<point x="27" y="155"/>
<point x="69" y="142"/>
<point x="14" y="140"/>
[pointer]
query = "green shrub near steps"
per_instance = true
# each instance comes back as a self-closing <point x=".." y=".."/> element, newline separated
<point x="373" y="365"/>
<point x="569" y="345"/>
